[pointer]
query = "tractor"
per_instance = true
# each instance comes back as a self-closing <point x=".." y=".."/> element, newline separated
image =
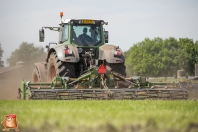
<point x="81" y="44"/>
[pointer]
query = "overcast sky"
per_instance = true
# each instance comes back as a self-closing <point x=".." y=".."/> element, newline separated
<point x="130" y="21"/>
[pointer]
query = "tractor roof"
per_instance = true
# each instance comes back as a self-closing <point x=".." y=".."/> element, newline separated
<point x="83" y="21"/>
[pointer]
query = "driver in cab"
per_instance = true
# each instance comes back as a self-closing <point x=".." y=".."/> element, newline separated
<point x="85" y="39"/>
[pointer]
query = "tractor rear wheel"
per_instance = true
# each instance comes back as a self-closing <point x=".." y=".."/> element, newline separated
<point x="117" y="67"/>
<point x="35" y="76"/>
<point x="56" y="67"/>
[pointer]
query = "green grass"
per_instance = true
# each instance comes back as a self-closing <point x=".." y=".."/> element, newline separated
<point x="112" y="116"/>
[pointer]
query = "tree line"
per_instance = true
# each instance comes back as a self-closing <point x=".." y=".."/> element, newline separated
<point x="27" y="53"/>
<point x="151" y="57"/>
<point x="162" y="57"/>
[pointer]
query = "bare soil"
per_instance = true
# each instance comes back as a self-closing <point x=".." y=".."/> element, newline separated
<point x="11" y="81"/>
<point x="9" y="88"/>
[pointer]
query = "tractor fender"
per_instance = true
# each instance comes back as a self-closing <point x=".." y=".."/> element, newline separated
<point x="42" y="71"/>
<point x="106" y="52"/>
<point x="60" y="51"/>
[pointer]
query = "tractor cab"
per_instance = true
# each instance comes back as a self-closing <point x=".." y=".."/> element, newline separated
<point x="79" y="32"/>
<point x="82" y="32"/>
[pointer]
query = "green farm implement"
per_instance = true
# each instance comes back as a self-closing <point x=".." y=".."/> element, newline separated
<point x="99" y="86"/>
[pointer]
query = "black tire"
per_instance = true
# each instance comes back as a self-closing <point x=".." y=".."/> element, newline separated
<point x="56" y="67"/>
<point x="35" y="76"/>
<point x="117" y="67"/>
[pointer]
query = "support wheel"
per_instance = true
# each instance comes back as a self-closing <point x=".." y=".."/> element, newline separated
<point x="56" y="67"/>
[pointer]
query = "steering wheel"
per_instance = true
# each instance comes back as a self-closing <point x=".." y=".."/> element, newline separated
<point x="86" y="40"/>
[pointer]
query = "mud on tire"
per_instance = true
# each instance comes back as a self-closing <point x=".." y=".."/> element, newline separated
<point x="117" y="67"/>
<point x="57" y="67"/>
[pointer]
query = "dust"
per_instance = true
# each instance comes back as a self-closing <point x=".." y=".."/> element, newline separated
<point x="10" y="82"/>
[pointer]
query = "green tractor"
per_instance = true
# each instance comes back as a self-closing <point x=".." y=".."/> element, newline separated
<point x="81" y="45"/>
<point x="83" y="66"/>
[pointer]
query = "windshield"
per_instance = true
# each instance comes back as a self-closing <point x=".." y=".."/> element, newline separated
<point x="86" y="35"/>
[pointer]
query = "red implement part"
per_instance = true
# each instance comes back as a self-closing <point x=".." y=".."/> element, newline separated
<point x="102" y="69"/>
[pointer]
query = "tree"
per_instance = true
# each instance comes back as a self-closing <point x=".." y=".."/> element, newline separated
<point x="158" y="57"/>
<point x="1" y="55"/>
<point x="196" y="51"/>
<point x="188" y="47"/>
<point x="27" y="53"/>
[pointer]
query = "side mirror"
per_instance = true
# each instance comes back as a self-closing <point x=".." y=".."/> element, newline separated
<point x="41" y="35"/>
<point x="106" y="36"/>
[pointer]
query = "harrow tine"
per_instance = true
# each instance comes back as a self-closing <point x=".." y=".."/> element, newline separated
<point x="107" y="94"/>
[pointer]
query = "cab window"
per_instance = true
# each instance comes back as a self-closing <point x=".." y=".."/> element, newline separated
<point x="64" y="33"/>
